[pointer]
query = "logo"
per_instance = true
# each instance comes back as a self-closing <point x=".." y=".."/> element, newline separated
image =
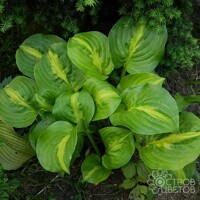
<point x="161" y="181"/>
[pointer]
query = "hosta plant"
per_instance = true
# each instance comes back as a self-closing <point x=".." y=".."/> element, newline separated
<point x="103" y="90"/>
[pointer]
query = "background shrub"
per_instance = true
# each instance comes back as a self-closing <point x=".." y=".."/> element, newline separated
<point x="20" y="19"/>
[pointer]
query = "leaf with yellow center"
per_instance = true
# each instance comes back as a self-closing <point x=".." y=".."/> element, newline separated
<point x="56" y="66"/>
<point x="15" y="97"/>
<point x="172" y="152"/>
<point x="31" y="51"/>
<point x="61" y="153"/>
<point x="135" y="43"/>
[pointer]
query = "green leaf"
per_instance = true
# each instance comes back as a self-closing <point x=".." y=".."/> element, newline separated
<point x="172" y="152"/>
<point x="142" y="171"/>
<point x="14" y="149"/>
<point x="43" y="106"/>
<point x="16" y="102"/>
<point x="189" y="122"/>
<point x="185" y="174"/>
<point x="90" y="52"/>
<point x="55" y="73"/>
<point x="31" y="51"/>
<point x="105" y="97"/>
<point x="75" y="107"/>
<point x="56" y="145"/>
<point x="139" y="79"/>
<point x="135" y="46"/>
<point x="36" y="131"/>
<point x="128" y="184"/>
<point x="129" y="170"/>
<point x="93" y="171"/>
<point x="147" y="110"/>
<point x="139" y="192"/>
<point x="119" y="146"/>
<point x="79" y="147"/>
<point x="184" y="101"/>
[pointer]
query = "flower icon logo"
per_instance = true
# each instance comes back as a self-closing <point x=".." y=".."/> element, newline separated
<point x="158" y="179"/>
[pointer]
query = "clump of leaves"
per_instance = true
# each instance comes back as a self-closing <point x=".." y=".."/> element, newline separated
<point x="103" y="90"/>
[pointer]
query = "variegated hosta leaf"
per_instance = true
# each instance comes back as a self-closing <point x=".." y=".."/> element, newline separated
<point x="189" y="122"/>
<point x="14" y="149"/>
<point x="37" y="130"/>
<point x="93" y="171"/>
<point x="147" y="110"/>
<point x="75" y="107"/>
<point x="105" y="97"/>
<point x="119" y="146"/>
<point x="31" y="51"/>
<point x="90" y="52"/>
<point x="43" y="106"/>
<point x="139" y="79"/>
<point x="135" y="46"/>
<point x="55" y="146"/>
<point x="172" y="152"/>
<point x="55" y="73"/>
<point x="16" y="102"/>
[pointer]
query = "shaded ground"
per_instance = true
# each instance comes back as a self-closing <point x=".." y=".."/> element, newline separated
<point x="38" y="184"/>
<point x="186" y="82"/>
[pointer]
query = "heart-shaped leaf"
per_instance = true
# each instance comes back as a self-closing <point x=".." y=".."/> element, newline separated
<point x="56" y="145"/>
<point x="36" y="130"/>
<point x="172" y="152"/>
<point x="135" y="46"/>
<point x="147" y="110"/>
<point x="16" y="102"/>
<point x="55" y="73"/>
<point x="75" y="107"/>
<point x="31" y="51"/>
<point x="93" y="171"/>
<point x="119" y="146"/>
<point x="105" y="97"/>
<point x="90" y="52"/>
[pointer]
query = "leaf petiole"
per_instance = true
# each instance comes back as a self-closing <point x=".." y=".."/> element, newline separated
<point x="96" y="149"/>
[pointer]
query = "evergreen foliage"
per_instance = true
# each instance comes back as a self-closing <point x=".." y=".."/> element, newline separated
<point x="20" y="19"/>
<point x="182" y="49"/>
<point x="67" y="17"/>
<point x="48" y="16"/>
